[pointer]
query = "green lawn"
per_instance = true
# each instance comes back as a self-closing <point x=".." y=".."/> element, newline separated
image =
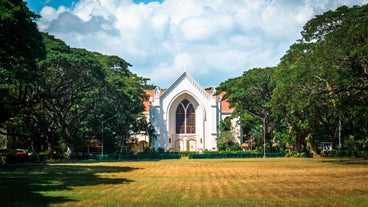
<point x="217" y="182"/>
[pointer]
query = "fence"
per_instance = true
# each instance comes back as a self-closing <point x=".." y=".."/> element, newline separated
<point x="137" y="156"/>
<point x="162" y="156"/>
<point x="235" y="155"/>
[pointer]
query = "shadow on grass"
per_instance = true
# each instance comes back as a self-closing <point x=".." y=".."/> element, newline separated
<point x="348" y="161"/>
<point x="27" y="184"/>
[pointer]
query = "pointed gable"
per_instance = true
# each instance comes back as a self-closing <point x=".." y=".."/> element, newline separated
<point x="152" y="94"/>
<point x="186" y="77"/>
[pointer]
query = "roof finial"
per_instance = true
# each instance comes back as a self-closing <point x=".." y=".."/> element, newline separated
<point x="185" y="67"/>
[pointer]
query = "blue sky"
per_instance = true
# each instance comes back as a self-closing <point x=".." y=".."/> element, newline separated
<point x="36" y="5"/>
<point x="216" y="39"/>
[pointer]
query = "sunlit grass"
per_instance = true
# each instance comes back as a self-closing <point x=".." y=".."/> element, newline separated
<point x="221" y="182"/>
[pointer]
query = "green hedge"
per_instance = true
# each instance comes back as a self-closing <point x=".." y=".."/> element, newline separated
<point x="235" y="155"/>
<point x="346" y="153"/>
<point x="137" y="156"/>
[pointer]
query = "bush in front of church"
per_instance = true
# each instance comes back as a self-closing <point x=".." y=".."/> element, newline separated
<point x="226" y="141"/>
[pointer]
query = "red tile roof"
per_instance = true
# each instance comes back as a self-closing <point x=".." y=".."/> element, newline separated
<point x="151" y="96"/>
<point x="225" y="105"/>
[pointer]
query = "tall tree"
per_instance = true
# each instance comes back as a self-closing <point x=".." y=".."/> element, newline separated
<point x="250" y="95"/>
<point x="77" y="90"/>
<point x="323" y="77"/>
<point x="20" y="47"/>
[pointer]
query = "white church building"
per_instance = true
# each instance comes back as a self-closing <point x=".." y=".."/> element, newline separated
<point x="185" y="116"/>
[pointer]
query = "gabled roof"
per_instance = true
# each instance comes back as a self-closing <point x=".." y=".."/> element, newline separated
<point x="187" y="76"/>
<point x="225" y="106"/>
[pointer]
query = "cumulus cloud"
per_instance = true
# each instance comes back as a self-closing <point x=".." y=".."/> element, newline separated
<point x="217" y="39"/>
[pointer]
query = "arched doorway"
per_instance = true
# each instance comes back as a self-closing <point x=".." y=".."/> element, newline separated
<point x="142" y="145"/>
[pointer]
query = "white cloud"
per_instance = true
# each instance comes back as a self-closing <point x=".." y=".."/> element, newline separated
<point x="217" y="39"/>
<point x="50" y="14"/>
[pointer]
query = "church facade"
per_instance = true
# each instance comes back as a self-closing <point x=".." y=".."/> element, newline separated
<point x="185" y="116"/>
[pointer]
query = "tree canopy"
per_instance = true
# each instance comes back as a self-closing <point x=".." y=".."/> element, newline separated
<point x="57" y="96"/>
<point x="77" y="90"/>
<point x="319" y="87"/>
<point x="20" y="48"/>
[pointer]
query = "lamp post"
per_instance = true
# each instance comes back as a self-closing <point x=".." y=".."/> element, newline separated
<point x="264" y="135"/>
<point x="102" y="133"/>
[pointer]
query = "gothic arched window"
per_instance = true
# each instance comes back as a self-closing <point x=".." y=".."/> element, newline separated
<point x="185" y="118"/>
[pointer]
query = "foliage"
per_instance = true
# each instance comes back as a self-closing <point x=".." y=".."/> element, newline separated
<point x="160" y="150"/>
<point x="148" y="86"/>
<point x="226" y="141"/>
<point x="256" y="138"/>
<point x="323" y="79"/>
<point x="20" y="47"/>
<point x="225" y="125"/>
<point x="76" y="90"/>
<point x="2" y="159"/>
<point x="317" y="93"/>
<point x="250" y="95"/>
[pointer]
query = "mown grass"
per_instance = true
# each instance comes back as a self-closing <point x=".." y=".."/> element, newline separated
<point x="218" y="182"/>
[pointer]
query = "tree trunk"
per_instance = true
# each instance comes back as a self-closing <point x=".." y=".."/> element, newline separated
<point x="298" y="143"/>
<point x="69" y="152"/>
<point x="50" y="146"/>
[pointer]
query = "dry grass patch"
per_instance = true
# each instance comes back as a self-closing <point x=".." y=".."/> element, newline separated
<point x="222" y="182"/>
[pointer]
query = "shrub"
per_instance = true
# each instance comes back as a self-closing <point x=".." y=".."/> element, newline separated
<point x="234" y="148"/>
<point x="42" y="156"/>
<point x="160" y="150"/>
<point x="2" y="160"/>
<point x="297" y="154"/>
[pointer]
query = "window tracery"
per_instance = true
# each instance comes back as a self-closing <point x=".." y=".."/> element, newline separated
<point x="185" y="118"/>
